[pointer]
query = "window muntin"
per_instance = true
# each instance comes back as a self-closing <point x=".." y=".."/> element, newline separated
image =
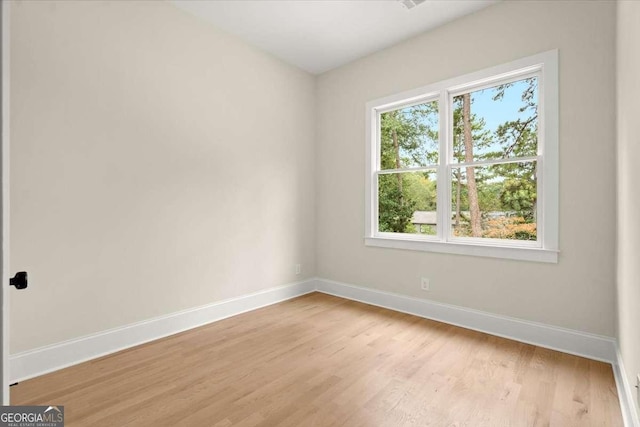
<point x="510" y="162"/>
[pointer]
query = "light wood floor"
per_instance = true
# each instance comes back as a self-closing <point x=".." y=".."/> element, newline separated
<point x="318" y="360"/>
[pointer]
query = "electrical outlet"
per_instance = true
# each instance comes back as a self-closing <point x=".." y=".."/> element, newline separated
<point x="424" y="283"/>
<point x="298" y="269"/>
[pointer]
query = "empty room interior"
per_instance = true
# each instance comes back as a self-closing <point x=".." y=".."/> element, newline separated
<point x="321" y="213"/>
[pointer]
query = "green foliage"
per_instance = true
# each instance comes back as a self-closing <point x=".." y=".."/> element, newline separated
<point x="519" y="195"/>
<point x="427" y="229"/>
<point x="416" y="131"/>
<point x="519" y="137"/>
<point x="394" y="211"/>
<point x="489" y="196"/>
<point x="421" y="190"/>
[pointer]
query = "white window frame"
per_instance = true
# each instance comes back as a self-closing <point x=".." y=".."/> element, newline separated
<point x="544" y="66"/>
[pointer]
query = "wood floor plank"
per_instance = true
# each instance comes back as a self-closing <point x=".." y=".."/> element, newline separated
<point x="319" y="360"/>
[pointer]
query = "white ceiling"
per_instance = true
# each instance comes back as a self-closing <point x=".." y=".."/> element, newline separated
<point x="318" y="35"/>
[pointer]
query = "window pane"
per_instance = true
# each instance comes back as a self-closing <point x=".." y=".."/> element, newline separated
<point x="497" y="122"/>
<point x="497" y="201"/>
<point x="407" y="202"/>
<point x="409" y="136"/>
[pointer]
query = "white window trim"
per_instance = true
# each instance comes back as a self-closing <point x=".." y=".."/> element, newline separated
<point x="545" y="249"/>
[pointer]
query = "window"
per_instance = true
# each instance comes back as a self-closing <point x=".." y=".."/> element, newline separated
<point x="468" y="165"/>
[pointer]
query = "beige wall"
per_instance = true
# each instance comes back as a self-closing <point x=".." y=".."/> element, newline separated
<point x="156" y="165"/>
<point x="576" y="293"/>
<point x="628" y="94"/>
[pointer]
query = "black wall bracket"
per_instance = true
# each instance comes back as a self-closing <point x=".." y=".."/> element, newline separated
<point x="20" y="280"/>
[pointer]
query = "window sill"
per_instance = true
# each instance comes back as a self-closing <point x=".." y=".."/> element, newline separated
<point x="504" y="252"/>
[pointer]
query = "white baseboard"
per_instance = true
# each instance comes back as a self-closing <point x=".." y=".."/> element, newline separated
<point x="625" y="393"/>
<point x="47" y="359"/>
<point x="565" y="340"/>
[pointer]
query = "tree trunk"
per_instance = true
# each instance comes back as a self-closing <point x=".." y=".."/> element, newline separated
<point x="535" y="204"/>
<point x="458" y="191"/>
<point x="472" y="190"/>
<point x="394" y="135"/>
